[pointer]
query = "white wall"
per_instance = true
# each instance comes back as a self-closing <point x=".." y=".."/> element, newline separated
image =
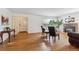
<point x="7" y="13"/>
<point x="76" y="15"/>
<point x="34" y="22"/>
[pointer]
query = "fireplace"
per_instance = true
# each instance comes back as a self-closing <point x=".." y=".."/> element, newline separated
<point x="71" y="27"/>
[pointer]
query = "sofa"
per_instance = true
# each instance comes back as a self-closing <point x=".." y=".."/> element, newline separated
<point x="74" y="39"/>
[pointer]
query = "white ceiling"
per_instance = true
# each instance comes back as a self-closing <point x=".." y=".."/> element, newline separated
<point x="44" y="11"/>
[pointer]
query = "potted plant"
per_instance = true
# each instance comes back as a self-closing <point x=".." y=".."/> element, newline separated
<point x="56" y="23"/>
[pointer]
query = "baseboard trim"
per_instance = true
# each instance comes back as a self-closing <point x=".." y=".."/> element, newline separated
<point x="35" y="33"/>
<point x="23" y="32"/>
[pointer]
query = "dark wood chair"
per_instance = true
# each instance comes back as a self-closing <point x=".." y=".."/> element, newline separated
<point x="52" y="33"/>
<point x="44" y="32"/>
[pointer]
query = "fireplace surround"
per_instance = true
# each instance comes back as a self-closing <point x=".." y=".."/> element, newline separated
<point x="71" y="27"/>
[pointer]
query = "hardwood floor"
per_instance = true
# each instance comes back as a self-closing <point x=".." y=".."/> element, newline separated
<point x="35" y="42"/>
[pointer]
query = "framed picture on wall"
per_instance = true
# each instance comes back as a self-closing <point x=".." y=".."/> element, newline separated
<point x="70" y="19"/>
<point x="4" y="20"/>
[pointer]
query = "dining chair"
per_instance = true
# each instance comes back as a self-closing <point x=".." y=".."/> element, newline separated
<point x="52" y="33"/>
<point x="43" y="29"/>
<point x="44" y="32"/>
